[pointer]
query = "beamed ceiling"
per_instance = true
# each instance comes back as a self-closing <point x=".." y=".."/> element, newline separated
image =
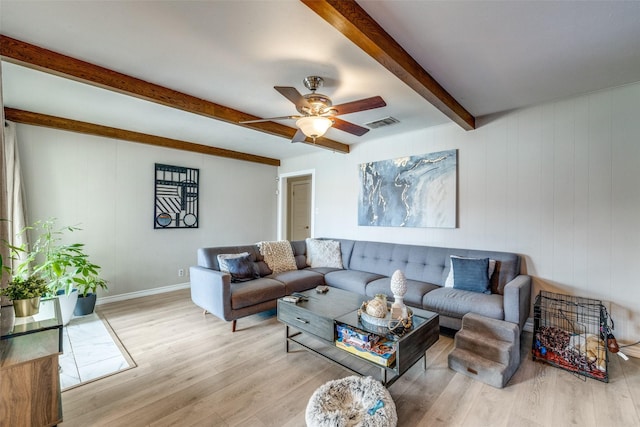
<point x="158" y="72"/>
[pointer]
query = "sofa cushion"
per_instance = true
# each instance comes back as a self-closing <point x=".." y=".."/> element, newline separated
<point x="351" y="280"/>
<point x="415" y="290"/>
<point x="299" y="248"/>
<point x="471" y="274"/>
<point x="263" y="268"/>
<point x="456" y="303"/>
<point x="422" y="263"/>
<point x="323" y="253"/>
<point x="253" y="292"/>
<point x="299" y="280"/>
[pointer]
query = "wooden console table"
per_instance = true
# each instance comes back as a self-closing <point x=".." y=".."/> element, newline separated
<point x="29" y="379"/>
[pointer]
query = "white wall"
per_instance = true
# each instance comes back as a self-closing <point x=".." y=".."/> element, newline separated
<point x="557" y="183"/>
<point x="107" y="187"/>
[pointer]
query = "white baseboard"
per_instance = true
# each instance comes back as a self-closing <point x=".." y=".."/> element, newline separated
<point x="528" y="326"/>
<point x="631" y="351"/>
<point x="138" y="294"/>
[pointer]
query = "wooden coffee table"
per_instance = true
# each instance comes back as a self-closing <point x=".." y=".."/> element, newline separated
<point x="317" y="317"/>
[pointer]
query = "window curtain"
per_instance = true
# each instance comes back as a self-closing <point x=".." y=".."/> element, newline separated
<point x="12" y="207"/>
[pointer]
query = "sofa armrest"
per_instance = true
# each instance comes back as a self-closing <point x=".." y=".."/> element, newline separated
<point x="517" y="300"/>
<point x="211" y="290"/>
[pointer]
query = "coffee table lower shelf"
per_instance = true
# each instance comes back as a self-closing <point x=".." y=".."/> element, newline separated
<point x="352" y="362"/>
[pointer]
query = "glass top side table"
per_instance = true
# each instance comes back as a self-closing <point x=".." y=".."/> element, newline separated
<point x="29" y="350"/>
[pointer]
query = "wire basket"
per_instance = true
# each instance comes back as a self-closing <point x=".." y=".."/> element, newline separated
<point x="568" y="334"/>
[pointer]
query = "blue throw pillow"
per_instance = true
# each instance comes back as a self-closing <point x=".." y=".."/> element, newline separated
<point x="242" y="269"/>
<point x="470" y="274"/>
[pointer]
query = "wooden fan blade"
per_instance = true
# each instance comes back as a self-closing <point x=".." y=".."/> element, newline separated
<point x="292" y="94"/>
<point x="268" y="119"/>
<point x="299" y="136"/>
<point x="361" y="105"/>
<point x="348" y="127"/>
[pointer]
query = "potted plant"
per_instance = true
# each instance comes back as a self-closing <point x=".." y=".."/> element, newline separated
<point x="25" y="293"/>
<point x="63" y="266"/>
<point x="87" y="294"/>
<point x="23" y="289"/>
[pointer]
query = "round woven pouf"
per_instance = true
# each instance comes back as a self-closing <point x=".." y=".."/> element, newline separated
<point x="349" y="402"/>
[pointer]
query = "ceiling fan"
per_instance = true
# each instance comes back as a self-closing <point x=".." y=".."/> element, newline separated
<point x="317" y="112"/>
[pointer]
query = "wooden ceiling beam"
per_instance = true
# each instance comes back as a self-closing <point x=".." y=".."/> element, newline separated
<point x="359" y="27"/>
<point x="48" y="61"/>
<point x="37" y="119"/>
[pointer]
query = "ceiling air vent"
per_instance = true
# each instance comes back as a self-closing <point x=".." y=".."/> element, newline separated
<point x="387" y="121"/>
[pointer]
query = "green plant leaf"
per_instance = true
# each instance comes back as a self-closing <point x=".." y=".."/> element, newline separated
<point x="62" y="265"/>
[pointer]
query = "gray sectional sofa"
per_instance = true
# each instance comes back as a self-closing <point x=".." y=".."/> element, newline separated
<point x="368" y="267"/>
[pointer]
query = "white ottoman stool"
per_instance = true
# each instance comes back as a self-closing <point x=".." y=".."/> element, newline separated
<point x="349" y="402"/>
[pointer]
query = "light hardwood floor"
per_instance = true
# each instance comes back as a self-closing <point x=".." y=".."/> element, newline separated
<point x="193" y="371"/>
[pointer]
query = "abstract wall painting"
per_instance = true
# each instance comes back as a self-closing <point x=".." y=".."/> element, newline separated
<point x="176" y="190"/>
<point x="415" y="191"/>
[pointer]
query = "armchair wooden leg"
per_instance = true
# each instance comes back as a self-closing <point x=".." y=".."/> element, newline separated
<point x="204" y="312"/>
<point x="233" y="326"/>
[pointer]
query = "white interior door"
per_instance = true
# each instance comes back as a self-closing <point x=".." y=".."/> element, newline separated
<point x="299" y="208"/>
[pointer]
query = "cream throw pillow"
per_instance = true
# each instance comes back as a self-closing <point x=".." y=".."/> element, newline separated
<point x="323" y="253"/>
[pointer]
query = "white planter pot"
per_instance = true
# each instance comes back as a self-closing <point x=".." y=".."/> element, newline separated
<point x="67" y="305"/>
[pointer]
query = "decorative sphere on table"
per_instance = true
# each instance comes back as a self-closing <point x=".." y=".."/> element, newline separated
<point x="399" y="288"/>
<point x="377" y="307"/>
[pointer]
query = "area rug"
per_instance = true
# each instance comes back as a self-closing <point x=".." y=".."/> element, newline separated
<point x="92" y="351"/>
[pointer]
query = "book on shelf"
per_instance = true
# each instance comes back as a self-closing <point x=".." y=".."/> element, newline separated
<point x="356" y="336"/>
<point x="376" y="349"/>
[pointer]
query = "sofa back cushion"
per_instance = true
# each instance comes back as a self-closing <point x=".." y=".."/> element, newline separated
<point x="426" y="263"/>
<point x="299" y="253"/>
<point x="421" y="263"/>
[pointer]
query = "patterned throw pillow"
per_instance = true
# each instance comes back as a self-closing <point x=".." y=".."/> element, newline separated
<point x="324" y="253"/>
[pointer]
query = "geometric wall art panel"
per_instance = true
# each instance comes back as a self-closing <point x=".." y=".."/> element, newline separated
<point x="176" y="190"/>
<point x="415" y="191"/>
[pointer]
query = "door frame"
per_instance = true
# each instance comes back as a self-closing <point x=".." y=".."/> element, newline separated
<point x="283" y="201"/>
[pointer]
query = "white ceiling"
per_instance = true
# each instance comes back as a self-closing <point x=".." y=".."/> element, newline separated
<point x="492" y="56"/>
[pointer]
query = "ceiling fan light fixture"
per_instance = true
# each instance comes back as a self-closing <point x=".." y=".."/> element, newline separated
<point x="314" y="126"/>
